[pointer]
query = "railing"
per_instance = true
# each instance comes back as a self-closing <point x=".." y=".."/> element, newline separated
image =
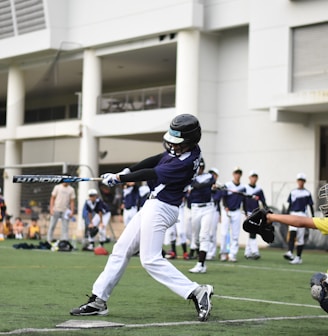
<point x="137" y="100"/>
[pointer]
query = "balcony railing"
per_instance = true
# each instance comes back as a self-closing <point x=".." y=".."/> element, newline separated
<point x="137" y="100"/>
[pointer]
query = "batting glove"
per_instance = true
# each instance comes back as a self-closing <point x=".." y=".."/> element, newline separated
<point x="110" y="179"/>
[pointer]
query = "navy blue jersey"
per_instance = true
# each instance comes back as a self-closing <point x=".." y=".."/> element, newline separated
<point x="96" y="207"/>
<point x="130" y="197"/>
<point x="174" y="174"/>
<point x="216" y="197"/>
<point x="230" y="199"/>
<point x="201" y="188"/>
<point x="252" y="203"/>
<point x="299" y="199"/>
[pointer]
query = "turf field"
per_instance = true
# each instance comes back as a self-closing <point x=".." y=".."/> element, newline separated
<point x="263" y="297"/>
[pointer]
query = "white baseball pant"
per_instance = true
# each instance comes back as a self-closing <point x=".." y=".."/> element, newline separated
<point x="145" y="234"/>
<point x="128" y="214"/>
<point x="201" y="223"/>
<point x="231" y="220"/>
<point x="300" y="231"/>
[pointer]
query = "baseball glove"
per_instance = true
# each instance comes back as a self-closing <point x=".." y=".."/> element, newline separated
<point x="257" y="223"/>
<point x="93" y="231"/>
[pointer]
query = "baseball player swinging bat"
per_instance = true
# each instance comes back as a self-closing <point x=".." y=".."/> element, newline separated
<point x="52" y="179"/>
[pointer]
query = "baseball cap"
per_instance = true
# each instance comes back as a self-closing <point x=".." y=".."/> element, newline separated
<point x="237" y="170"/>
<point x="253" y="173"/>
<point x="301" y="176"/>
<point x="214" y="170"/>
<point x="92" y="192"/>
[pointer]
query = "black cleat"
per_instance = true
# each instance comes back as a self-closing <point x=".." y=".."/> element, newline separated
<point x="95" y="306"/>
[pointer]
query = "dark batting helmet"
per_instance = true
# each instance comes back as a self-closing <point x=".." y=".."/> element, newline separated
<point x="184" y="130"/>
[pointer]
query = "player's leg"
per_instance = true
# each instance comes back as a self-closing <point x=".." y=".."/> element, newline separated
<point x="204" y="239"/>
<point x="213" y="236"/>
<point x="155" y="221"/>
<point x="157" y="218"/>
<point x="65" y="223"/>
<point x="292" y="232"/>
<point x="126" y="246"/>
<point x="299" y="248"/>
<point x="224" y="234"/>
<point x="195" y="229"/>
<point x="235" y="231"/>
<point x="52" y="225"/>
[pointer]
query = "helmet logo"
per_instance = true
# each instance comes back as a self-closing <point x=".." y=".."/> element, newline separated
<point x="175" y="133"/>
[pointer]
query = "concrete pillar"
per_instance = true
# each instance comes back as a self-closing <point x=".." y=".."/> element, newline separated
<point x="89" y="144"/>
<point x="187" y="77"/>
<point x="13" y="148"/>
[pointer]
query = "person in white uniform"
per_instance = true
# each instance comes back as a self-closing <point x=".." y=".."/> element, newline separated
<point x="231" y="216"/>
<point x="168" y="174"/>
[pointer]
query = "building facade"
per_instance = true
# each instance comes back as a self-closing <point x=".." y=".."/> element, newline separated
<point x="94" y="84"/>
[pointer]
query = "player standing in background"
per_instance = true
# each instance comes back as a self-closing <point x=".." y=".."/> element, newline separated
<point x="202" y="212"/>
<point x="3" y="212"/>
<point x="216" y="198"/>
<point x="62" y="203"/>
<point x="168" y="174"/>
<point x="299" y="199"/>
<point x="130" y="201"/>
<point x="231" y="216"/>
<point x="99" y="215"/>
<point x="258" y="200"/>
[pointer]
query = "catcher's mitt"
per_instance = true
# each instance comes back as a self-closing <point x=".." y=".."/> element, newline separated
<point x="257" y="223"/>
<point x="93" y="231"/>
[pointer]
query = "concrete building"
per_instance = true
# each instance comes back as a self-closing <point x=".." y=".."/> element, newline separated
<point x="75" y="76"/>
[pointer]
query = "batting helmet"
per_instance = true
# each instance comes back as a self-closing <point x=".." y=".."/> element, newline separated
<point x="92" y="192"/>
<point x="184" y="130"/>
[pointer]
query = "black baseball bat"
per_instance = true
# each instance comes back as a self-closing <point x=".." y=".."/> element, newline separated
<point x="52" y="179"/>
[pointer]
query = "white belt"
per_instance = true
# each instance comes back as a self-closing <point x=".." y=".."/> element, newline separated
<point x="202" y="205"/>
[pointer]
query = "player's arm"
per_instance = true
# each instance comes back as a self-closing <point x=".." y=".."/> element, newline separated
<point x="142" y="171"/>
<point x="293" y="220"/>
<point x="149" y="162"/>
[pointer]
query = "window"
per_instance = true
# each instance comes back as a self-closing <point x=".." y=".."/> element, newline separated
<point x="310" y="57"/>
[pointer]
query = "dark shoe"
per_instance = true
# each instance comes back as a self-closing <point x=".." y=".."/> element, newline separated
<point x="202" y="300"/>
<point x="95" y="306"/>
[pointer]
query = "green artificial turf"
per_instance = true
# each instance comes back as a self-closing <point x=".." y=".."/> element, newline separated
<point x="264" y="297"/>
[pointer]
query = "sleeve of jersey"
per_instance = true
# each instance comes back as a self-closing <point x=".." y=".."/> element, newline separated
<point x="139" y="175"/>
<point x="149" y="162"/>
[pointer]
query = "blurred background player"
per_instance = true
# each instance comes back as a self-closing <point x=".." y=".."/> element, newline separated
<point x="299" y="199"/>
<point x="202" y="212"/>
<point x="216" y="198"/>
<point x="62" y="206"/>
<point x="18" y="228"/>
<point x="34" y="230"/>
<point x="99" y="215"/>
<point x="8" y="229"/>
<point x="177" y="232"/>
<point x="258" y="200"/>
<point x="3" y="212"/>
<point x="130" y="201"/>
<point x="231" y="216"/>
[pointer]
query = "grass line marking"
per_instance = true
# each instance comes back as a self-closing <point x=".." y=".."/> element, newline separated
<point x="266" y="301"/>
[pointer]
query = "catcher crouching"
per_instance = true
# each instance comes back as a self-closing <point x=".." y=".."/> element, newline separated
<point x="260" y="222"/>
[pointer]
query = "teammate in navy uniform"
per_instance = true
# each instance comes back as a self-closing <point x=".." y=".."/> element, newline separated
<point x="231" y="216"/>
<point x="130" y="201"/>
<point x="299" y="199"/>
<point x="98" y="214"/>
<point x="202" y="212"/>
<point x="258" y="199"/>
<point x="168" y="174"/>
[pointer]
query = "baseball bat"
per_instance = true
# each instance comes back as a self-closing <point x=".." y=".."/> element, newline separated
<point x="52" y="179"/>
<point x="223" y="187"/>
